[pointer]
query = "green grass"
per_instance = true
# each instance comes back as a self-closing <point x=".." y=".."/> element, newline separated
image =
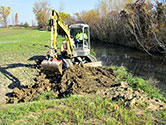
<point x="23" y="43"/>
<point x="45" y="96"/>
<point x="92" y="52"/>
<point x="75" y="109"/>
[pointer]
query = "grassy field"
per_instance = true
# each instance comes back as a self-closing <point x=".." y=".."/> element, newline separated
<point x="20" y="44"/>
<point x="18" y="49"/>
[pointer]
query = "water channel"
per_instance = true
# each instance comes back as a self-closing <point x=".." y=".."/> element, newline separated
<point x="137" y="62"/>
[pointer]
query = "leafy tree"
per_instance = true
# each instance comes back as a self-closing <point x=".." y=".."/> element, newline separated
<point x="92" y="19"/>
<point x="26" y="24"/>
<point x="16" y="19"/>
<point x="4" y="13"/>
<point x="42" y="11"/>
<point x="64" y="16"/>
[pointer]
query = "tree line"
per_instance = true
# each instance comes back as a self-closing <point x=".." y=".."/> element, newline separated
<point x="4" y="14"/>
<point x="134" y="23"/>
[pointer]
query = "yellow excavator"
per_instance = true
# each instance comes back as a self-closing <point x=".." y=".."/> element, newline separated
<point x="73" y="51"/>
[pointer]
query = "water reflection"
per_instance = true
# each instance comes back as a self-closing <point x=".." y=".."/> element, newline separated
<point x="139" y="63"/>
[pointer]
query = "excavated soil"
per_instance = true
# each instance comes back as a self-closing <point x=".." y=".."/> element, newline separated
<point x="80" y="79"/>
<point x="85" y="80"/>
<point x="75" y="80"/>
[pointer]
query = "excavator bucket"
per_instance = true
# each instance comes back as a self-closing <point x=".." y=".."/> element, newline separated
<point x="51" y="66"/>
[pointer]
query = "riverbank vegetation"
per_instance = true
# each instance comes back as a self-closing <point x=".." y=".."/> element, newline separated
<point x="139" y="24"/>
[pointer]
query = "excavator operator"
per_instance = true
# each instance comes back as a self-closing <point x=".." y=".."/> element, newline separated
<point x="79" y="38"/>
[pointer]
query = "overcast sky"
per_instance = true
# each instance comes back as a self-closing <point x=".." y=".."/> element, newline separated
<point x="24" y="7"/>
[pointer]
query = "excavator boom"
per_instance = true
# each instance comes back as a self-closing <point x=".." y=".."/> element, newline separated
<point x="56" y="22"/>
<point x="53" y="64"/>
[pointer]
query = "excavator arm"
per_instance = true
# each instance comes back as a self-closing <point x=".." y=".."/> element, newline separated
<point x="56" y="22"/>
<point x="52" y="63"/>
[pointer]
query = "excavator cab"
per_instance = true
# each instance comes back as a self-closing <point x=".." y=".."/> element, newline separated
<point x="82" y="45"/>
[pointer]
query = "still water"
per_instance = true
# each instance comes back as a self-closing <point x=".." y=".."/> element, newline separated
<point x="137" y="62"/>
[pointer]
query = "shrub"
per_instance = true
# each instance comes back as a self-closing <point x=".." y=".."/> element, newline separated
<point x="26" y="25"/>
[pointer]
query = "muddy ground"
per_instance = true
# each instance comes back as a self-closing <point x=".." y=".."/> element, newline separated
<point x="85" y="80"/>
<point x="75" y="80"/>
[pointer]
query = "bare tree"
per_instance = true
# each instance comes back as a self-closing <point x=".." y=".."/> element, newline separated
<point x="33" y="23"/>
<point x="4" y="13"/>
<point x="42" y="11"/>
<point x="61" y="6"/>
<point x="13" y="23"/>
<point x="146" y="25"/>
<point x="0" y="19"/>
<point x="16" y="19"/>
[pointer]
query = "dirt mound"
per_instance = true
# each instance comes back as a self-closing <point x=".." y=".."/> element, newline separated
<point x="130" y="98"/>
<point x="85" y="80"/>
<point x="75" y="80"/>
<point x="80" y="79"/>
<point x="29" y="92"/>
